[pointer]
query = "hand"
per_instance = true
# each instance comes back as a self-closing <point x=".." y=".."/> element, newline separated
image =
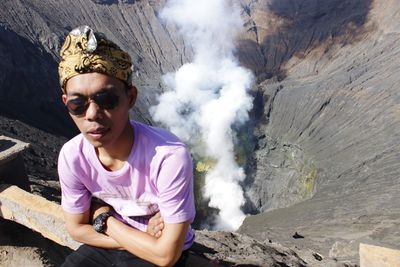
<point x="97" y="207"/>
<point x="155" y="225"/>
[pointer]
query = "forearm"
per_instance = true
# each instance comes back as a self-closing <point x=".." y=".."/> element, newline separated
<point x="162" y="252"/>
<point x="85" y="233"/>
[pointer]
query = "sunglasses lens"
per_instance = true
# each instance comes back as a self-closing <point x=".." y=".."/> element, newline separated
<point x="77" y="106"/>
<point x="106" y="100"/>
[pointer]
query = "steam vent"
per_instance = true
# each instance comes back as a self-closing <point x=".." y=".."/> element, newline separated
<point x="312" y="137"/>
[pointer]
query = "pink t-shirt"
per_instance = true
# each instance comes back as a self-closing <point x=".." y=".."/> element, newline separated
<point x="158" y="176"/>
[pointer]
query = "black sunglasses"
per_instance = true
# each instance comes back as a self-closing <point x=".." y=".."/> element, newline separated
<point x="105" y="100"/>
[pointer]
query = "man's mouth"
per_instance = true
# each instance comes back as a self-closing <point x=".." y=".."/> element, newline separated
<point x="98" y="132"/>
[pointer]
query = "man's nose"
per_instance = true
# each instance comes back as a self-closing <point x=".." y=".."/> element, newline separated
<point x="94" y="111"/>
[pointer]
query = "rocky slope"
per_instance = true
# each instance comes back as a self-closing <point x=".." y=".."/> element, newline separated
<point x="323" y="141"/>
<point x="327" y="152"/>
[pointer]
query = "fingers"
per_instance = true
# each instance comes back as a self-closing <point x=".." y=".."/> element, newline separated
<point x="155" y="225"/>
<point x="155" y="229"/>
<point x="159" y="228"/>
<point x="158" y="234"/>
<point x="156" y="220"/>
<point x="159" y="220"/>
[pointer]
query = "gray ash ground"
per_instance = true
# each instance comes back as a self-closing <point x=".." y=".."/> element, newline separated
<point x="20" y="246"/>
<point x="40" y="158"/>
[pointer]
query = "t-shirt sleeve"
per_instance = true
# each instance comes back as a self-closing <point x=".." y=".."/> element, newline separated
<point x="175" y="187"/>
<point x="75" y="198"/>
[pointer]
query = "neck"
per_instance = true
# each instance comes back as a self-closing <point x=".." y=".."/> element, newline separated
<point x="114" y="155"/>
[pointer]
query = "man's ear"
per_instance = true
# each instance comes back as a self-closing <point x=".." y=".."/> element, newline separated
<point x="64" y="98"/>
<point x="132" y="95"/>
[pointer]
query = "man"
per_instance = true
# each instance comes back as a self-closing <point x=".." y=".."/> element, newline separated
<point x="117" y="174"/>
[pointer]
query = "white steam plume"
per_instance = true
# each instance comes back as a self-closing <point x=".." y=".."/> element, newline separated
<point x="208" y="96"/>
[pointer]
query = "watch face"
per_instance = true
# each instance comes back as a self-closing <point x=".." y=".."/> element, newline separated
<point x="98" y="226"/>
<point x="100" y="221"/>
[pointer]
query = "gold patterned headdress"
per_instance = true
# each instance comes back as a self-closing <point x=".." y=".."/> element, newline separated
<point x="86" y="51"/>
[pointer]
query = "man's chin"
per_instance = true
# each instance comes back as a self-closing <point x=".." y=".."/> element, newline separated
<point x="97" y="143"/>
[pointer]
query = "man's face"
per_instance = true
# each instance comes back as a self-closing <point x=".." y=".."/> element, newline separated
<point x="91" y="95"/>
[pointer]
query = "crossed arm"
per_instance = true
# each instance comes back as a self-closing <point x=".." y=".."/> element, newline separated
<point x="162" y="251"/>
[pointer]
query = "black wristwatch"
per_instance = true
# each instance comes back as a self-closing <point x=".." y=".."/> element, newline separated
<point x="99" y="223"/>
